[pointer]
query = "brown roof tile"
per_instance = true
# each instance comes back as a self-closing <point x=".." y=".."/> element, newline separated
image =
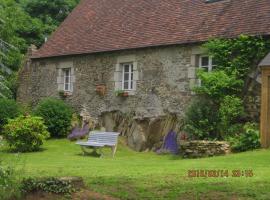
<point x="107" y="25"/>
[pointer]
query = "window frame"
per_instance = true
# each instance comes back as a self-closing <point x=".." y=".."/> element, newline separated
<point x="210" y="63"/>
<point x="209" y="67"/>
<point x="130" y="73"/>
<point x="65" y="70"/>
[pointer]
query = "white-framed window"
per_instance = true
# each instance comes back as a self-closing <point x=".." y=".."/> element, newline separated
<point x="207" y="63"/>
<point x="65" y="76"/>
<point x="67" y="79"/>
<point x="127" y="76"/>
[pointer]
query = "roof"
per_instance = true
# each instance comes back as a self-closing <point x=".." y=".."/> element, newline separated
<point x="108" y="25"/>
<point x="265" y="62"/>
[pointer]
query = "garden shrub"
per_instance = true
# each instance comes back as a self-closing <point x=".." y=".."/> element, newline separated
<point x="57" y="116"/>
<point x="231" y="110"/>
<point x="201" y="119"/>
<point x="8" y="183"/>
<point x="51" y="185"/>
<point x="224" y="87"/>
<point x="218" y="83"/>
<point x="9" y="109"/>
<point x="248" y="140"/>
<point x="25" y="133"/>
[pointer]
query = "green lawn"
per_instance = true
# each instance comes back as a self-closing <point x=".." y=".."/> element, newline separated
<point x="132" y="175"/>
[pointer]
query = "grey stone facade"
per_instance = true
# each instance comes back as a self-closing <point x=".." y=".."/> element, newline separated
<point x="164" y="77"/>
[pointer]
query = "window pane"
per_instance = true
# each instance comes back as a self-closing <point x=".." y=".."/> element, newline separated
<point x="214" y="62"/>
<point x="131" y="76"/>
<point x="67" y="79"/>
<point x="66" y="87"/>
<point x="67" y="72"/>
<point x="126" y="77"/>
<point x="205" y="61"/>
<point x="204" y="69"/>
<point x="126" y="86"/>
<point x="126" y="67"/>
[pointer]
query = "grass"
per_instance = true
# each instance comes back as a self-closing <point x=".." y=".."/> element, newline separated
<point x="133" y="175"/>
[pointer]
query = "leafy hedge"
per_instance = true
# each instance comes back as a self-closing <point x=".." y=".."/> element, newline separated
<point x="57" y="116"/>
<point x="248" y="140"/>
<point x="201" y="119"/>
<point x="9" y="109"/>
<point x="25" y="133"/>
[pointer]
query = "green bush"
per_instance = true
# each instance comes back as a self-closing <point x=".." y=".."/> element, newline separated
<point x="57" y="116"/>
<point x="231" y="111"/>
<point x="50" y="185"/>
<point x="25" y="133"/>
<point x="201" y="119"/>
<point x="217" y="84"/>
<point x="8" y="183"/>
<point x="9" y="109"/>
<point x="248" y="140"/>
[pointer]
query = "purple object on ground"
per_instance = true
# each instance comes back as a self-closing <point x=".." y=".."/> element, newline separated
<point x="170" y="143"/>
<point x="78" y="133"/>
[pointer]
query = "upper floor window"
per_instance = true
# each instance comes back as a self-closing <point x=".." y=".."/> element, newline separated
<point x="207" y="63"/>
<point x="67" y="79"/>
<point x="127" y="79"/>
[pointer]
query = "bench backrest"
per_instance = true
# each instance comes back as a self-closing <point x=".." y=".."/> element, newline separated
<point x="106" y="138"/>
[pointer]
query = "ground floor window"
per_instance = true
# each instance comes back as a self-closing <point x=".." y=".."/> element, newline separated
<point x="67" y="79"/>
<point x="127" y="79"/>
<point x="207" y="63"/>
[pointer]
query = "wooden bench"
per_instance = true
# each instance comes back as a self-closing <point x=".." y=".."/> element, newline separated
<point x="98" y="140"/>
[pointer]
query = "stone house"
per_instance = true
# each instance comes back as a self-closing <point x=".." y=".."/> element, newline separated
<point x="132" y="63"/>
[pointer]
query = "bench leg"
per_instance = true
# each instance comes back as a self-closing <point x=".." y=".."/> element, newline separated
<point x="101" y="152"/>
<point x="83" y="150"/>
<point x="114" y="150"/>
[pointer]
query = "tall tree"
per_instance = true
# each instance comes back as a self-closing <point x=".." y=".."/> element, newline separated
<point x="51" y="13"/>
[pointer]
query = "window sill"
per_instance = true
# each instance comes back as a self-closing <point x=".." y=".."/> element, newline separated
<point x="65" y="94"/>
<point x="131" y="92"/>
<point x="125" y="93"/>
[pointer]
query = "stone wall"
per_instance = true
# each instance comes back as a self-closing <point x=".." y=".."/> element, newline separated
<point x="164" y="78"/>
<point x="201" y="148"/>
<point x="161" y="97"/>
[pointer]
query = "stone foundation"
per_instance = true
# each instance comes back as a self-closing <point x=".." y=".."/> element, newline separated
<point x="141" y="133"/>
<point x="201" y="148"/>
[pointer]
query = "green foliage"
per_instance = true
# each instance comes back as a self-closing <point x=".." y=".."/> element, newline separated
<point x="248" y="140"/>
<point x="227" y="84"/>
<point x="25" y="133"/>
<point x="201" y="119"/>
<point x="9" y="109"/>
<point x="217" y="84"/>
<point x="8" y="182"/>
<point x="230" y="111"/>
<point x="238" y="55"/>
<point x="57" y="116"/>
<point x="50" y="185"/>
<point x="51" y="13"/>
<point x="22" y="23"/>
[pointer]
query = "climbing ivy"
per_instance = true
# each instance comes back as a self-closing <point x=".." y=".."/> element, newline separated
<point x="227" y="85"/>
